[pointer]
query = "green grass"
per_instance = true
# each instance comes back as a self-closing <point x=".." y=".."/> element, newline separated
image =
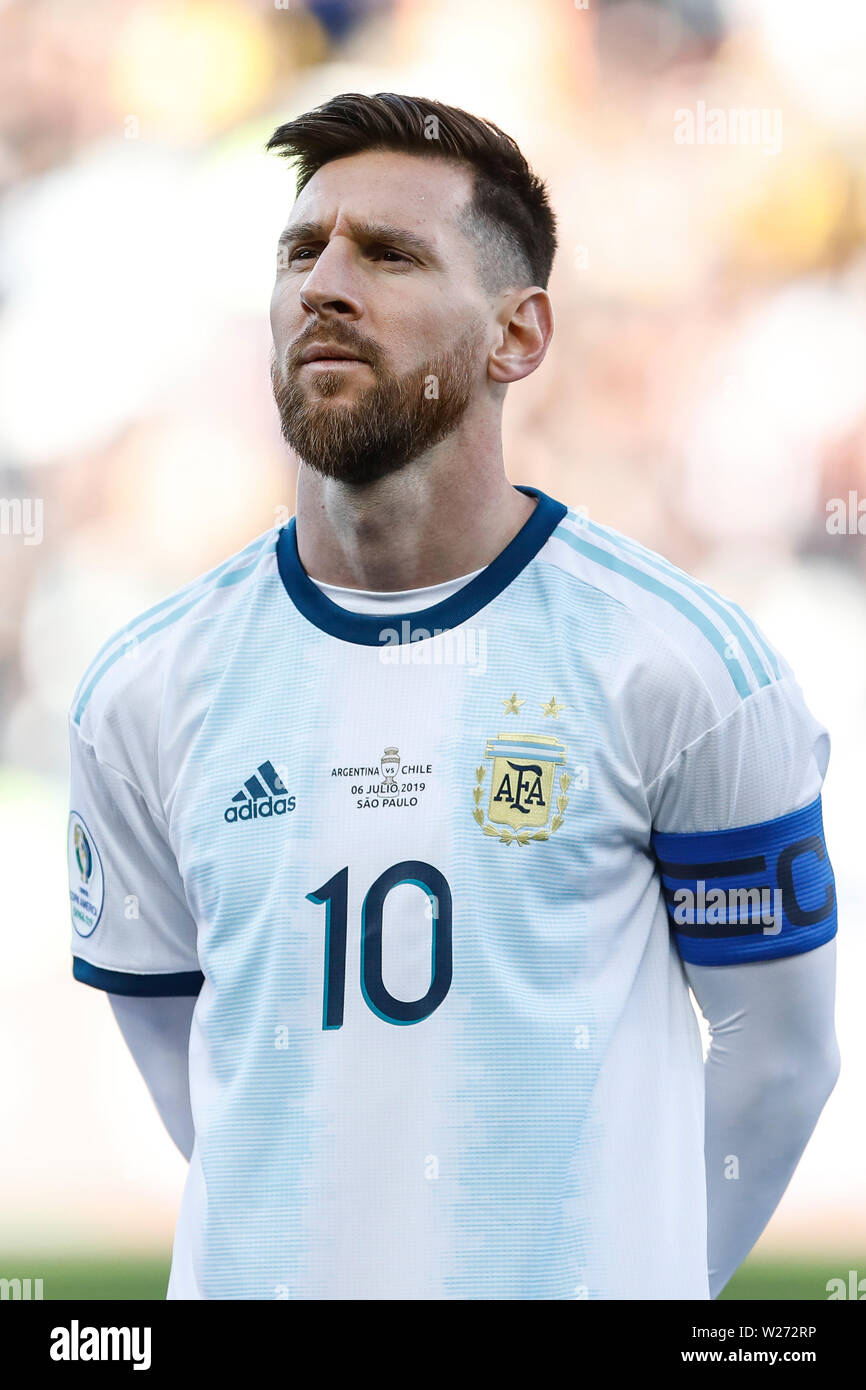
<point x="146" y="1276"/>
<point x="95" y="1276"/>
<point x="791" y="1279"/>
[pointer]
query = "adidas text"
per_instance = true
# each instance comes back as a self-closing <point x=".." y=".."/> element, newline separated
<point x="260" y="810"/>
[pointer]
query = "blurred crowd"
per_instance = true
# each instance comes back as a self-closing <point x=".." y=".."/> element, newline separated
<point x="705" y="391"/>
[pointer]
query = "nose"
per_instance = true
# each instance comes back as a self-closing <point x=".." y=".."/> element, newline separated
<point x="329" y="287"/>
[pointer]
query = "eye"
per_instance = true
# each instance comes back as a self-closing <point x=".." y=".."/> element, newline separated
<point x="299" y="251"/>
<point x="397" y="257"/>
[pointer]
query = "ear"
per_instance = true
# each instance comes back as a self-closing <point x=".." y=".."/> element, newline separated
<point x="526" y="324"/>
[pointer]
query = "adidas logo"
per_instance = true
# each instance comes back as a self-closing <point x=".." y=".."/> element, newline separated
<point x="261" y="796"/>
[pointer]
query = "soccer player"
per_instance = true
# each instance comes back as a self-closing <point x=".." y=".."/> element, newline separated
<point x="402" y="836"/>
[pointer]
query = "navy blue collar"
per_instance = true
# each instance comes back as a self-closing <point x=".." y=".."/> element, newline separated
<point x="379" y="630"/>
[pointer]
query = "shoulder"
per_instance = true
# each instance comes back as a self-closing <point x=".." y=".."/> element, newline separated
<point x="681" y="630"/>
<point x="128" y="672"/>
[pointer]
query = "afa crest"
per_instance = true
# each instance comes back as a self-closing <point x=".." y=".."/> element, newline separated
<point x="523" y="800"/>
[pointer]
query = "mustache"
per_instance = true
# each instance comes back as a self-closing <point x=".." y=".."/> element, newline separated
<point x="350" y="342"/>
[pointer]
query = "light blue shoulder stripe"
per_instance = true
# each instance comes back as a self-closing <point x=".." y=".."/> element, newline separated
<point x="711" y="600"/>
<point x="726" y="609"/>
<point x="759" y="638"/>
<point x="204" y="582"/>
<point x="663" y="591"/>
<point x="223" y="580"/>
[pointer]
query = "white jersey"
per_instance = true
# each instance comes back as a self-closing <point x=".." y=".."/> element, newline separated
<point x="432" y="877"/>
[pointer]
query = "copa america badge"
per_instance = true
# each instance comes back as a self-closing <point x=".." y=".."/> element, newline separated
<point x="86" y="885"/>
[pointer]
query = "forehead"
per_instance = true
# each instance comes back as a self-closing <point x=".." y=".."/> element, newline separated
<point x="421" y="193"/>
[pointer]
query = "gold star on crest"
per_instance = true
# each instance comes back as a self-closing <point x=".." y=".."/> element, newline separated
<point x="512" y="706"/>
<point x="552" y="707"/>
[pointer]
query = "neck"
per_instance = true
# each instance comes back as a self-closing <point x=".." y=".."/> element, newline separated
<point x="446" y="514"/>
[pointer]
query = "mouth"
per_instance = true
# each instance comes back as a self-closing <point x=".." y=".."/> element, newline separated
<point x="334" y="362"/>
<point x="327" y="354"/>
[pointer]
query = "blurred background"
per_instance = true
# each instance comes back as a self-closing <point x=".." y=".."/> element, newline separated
<point x="705" y="392"/>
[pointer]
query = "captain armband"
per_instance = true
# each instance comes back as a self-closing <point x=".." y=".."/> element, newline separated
<point x="756" y="892"/>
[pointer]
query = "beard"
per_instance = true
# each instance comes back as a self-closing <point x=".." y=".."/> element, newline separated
<point x="390" y="424"/>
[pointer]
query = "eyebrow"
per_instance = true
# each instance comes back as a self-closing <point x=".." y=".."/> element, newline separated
<point x="379" y="232"/>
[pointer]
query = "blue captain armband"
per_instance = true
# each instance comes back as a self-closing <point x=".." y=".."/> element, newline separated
<point x="753" y="893"/>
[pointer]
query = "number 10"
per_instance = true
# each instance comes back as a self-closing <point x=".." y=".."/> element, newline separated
<point x="334" y="896"/>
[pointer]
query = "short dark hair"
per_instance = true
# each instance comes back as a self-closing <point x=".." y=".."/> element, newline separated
<point x="508" y="216"/>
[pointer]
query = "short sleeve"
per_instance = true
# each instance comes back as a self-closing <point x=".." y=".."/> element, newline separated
<point x="738" y="834"/>
<point x="132" y="930"/>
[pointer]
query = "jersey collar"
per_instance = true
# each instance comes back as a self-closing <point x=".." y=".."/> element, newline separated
<point x="379" y="630"/>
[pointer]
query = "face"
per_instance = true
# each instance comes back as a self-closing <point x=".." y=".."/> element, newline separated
<point x="373" y="264"/>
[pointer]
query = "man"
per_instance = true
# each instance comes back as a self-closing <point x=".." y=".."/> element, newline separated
<point x="412" y="823"/>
